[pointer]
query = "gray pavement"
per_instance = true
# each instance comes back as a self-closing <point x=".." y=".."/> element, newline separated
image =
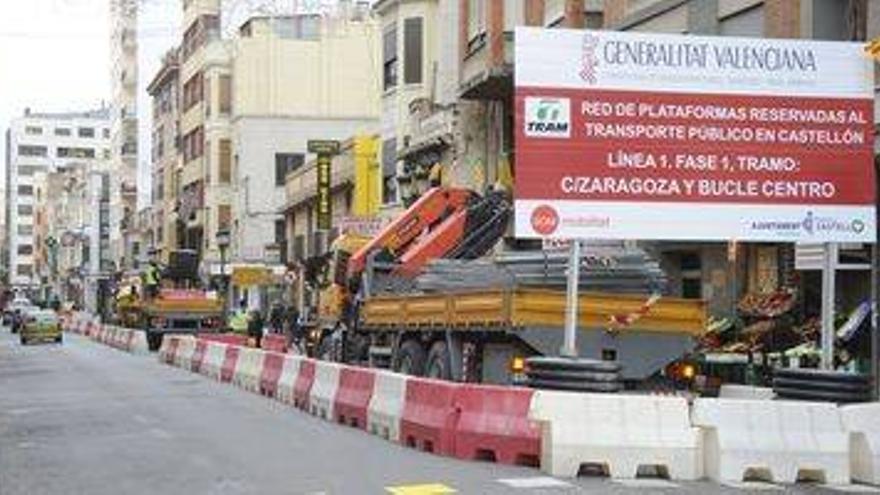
<point x="82" y="418"/>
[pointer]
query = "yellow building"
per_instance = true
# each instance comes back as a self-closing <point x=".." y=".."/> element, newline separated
<point x="295" y="78"/>
<point x="204" y="203"/>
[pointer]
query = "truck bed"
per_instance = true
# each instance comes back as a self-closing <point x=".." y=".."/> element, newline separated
<point x="525" y="308"/>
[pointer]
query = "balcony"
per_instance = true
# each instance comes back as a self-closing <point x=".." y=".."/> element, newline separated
<point x="487" y="69"/>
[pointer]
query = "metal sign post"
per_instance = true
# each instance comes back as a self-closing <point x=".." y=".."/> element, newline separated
<point x="829" y="267"/>
<point x="569" y="343"/>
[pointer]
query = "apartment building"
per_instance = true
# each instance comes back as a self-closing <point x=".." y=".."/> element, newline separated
<point x="166" y="165"/>
<point x="139" y="33"/>
<point x="295" y="78"/>
<point x="43" y="143"/>
<point x="204" y="82"/>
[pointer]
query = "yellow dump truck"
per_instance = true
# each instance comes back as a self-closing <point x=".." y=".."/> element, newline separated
<point x="484" y="335"/>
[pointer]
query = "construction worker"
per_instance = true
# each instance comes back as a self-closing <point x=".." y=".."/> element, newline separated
<point x="238" y="323"/>
<point x="152" y="277"/>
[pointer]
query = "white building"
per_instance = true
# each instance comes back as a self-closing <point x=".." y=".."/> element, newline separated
<point x="42" y="142"/>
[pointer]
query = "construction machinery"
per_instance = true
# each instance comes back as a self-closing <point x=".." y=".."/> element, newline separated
<point x="373" y="311"/>
<point x="179" y="306"/>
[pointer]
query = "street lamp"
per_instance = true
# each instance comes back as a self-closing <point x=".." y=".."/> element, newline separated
<point x="222" y="237"/>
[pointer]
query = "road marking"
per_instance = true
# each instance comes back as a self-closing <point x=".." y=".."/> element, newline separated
<point x="534" y="482"/>
<point x="645" y="483"/>
<point x="852" y="488"/>
<point x="751" y="485"/>
<point x="427" y="489"/>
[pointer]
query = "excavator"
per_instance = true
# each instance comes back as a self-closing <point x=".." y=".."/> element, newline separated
<point x="443" y="223"/>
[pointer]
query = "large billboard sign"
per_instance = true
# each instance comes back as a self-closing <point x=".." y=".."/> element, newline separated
<point x="648" y="136"/>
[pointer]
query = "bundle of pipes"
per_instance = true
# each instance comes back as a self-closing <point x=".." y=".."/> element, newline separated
<point x="604" y="267"/>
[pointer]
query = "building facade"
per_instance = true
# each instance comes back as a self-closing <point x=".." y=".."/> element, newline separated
<point x="295" y="79"/>
<point x="165" y="155"/>
<point x="44" y="143"/>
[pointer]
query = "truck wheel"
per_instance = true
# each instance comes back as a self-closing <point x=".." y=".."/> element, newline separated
<point x="438" y="362"/>
<point x="154" y="341"/>
<point x="410" y="358"/>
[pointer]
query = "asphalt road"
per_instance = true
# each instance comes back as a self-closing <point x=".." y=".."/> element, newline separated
<point x="82" y="418"/>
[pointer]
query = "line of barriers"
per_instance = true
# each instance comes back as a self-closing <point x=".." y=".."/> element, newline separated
<point x="124" y="339"/>
<point x="564" y="433"/>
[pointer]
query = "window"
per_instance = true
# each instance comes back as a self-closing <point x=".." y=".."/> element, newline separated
<point x="206" y="91"/>
<point x="26" y="190"/>
<point x="28" y="170"/>
<point x="224" y="216"/>
<point x="25" y="210"/>
<point x="62" y="131"/>
<point x="193" y="91"/>
<point x="106" y="153"/>
<point x="193" y="144"/>
<point x="33" y="130"/>
<point x="748" y="23"/>
<point x="65" y="152"/>
<point x="86" y="132"/>
<point x="31" y="150"/>
<point x="286" y="163"/>
<point x="208" y="162"/>
<point x="23" y="270"/>
<point x="225" y="96"/>
<point x="389" y="171"/>
<point x="25" y="230"/>
<point x="225" y="162"/>
<point x="25" y="249"/>
<point x="389" y="58"/>
<point x="412" y="46"/>
<point x="476" y="21"/>
<point x="105" y="132"/>
<point x="691" y="276"/>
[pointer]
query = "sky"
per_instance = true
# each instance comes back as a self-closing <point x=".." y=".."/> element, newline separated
<point x="54" y="56"/>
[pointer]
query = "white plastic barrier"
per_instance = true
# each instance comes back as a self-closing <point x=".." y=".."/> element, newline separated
<point x="289" y="373"/>
<point x="248" y="368"/>
<point x="215" y="354"/>
<point x="186" y="347"/>
<point x="323" y="392"/>
<point x="779" y="441"/>
<point x="862" y="421"/>
<point x="386" y="405"/>
<point x="617" y="433"/>
<point x="139" y="343"/>
<point x="166" y="349"/>
<point x="732" y="391"/>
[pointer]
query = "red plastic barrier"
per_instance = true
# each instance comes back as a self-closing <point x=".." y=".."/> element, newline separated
<point x="353" y="396"/>
<point x="224" y="338"/>
<point x="303" y="385"/>
<point x="198" y="356"/>
<point x="172" y="350"/>
<point x="493" y="424"/>
<point x="429" y="416"/>
<point x="229" y="363"/>
<point x="274" y="342"/>
<point x="272" y="363"/>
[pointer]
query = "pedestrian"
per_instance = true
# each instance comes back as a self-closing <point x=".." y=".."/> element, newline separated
<point x="276" y="318"/>
<point x="255" y="327"/>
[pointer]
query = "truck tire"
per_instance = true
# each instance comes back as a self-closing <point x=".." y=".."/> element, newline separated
<point x="570" y="364"/>
<point x="826" y="376"/>
<point x="438" y="362"/>
<point x="840" y="396"/>
<point x="410" y="358"/>
<point x="154" y="341"/>
<point x="583" y="376"/>
<point x="576" y="385"/>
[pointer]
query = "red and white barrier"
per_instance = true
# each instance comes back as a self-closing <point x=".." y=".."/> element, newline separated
<point x="230" y="362"/>
<point x="248" y="369"/>
<point x="323" y="392"/>
<point x="273" y="364"/>
<point x="353" y="396"/>
<point x="303" y="386"/>
<point x="386" y="405"/>
<point x="493" y="424"/>
<point x="429" y="416"/>
<point x="215" y="354"/>
<point x="287" y="380"/>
